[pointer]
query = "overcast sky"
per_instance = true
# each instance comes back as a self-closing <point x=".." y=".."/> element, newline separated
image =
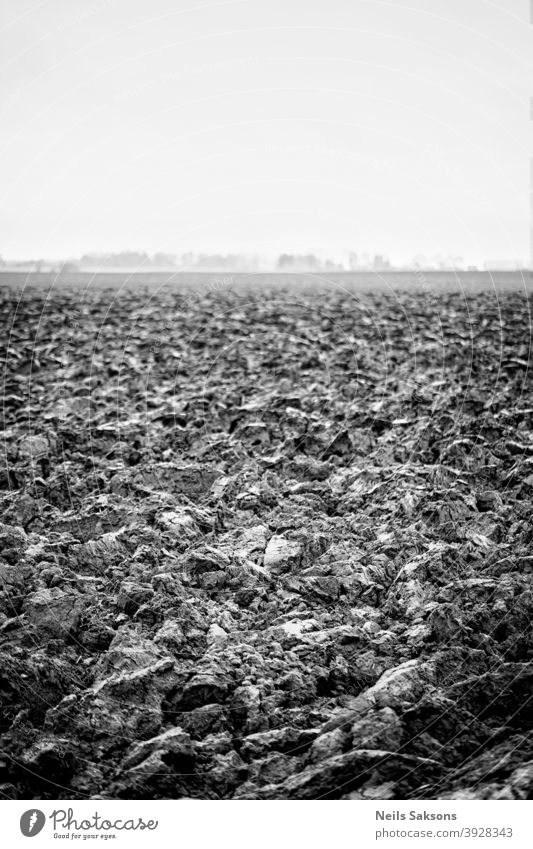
<point x="265" y="126"/>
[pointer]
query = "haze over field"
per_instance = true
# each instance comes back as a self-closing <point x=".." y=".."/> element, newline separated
<point x="246" y="127"/>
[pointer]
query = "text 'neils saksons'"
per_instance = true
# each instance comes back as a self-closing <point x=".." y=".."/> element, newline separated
<point x="413" y="815"/>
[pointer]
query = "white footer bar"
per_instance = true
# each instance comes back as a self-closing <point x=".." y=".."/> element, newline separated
<point x="276" y="825"/>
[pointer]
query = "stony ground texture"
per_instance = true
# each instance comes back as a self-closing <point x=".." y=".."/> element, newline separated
<point x="266" y="546"/>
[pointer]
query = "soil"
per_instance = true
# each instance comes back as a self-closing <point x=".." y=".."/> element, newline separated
<point x="266" y="545"/>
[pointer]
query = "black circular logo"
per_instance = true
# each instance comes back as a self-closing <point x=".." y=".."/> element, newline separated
<point x="32" y="822"/>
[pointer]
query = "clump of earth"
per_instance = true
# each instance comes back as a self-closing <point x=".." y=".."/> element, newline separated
<point x="266" y="545"/>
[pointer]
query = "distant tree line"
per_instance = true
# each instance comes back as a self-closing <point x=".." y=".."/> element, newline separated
<point x="191" y="261"/>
